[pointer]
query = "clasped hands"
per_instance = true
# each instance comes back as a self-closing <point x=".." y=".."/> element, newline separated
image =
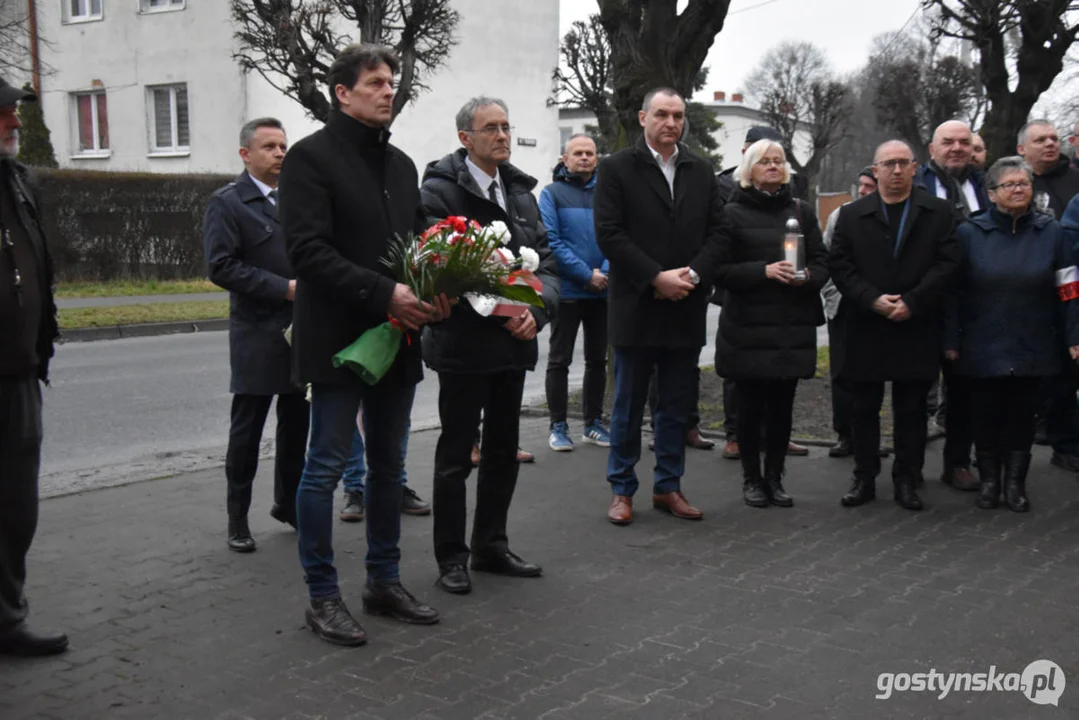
<point x="673" y="284"/>
<point x="892" y="307"/>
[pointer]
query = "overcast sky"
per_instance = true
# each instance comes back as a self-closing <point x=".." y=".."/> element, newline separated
<point x="842" y="28"/>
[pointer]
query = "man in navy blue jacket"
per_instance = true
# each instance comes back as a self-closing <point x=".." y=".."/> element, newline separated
<point x="566" y="208"/>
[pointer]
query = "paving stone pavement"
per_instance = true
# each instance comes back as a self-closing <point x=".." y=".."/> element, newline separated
<point x="785" y="614"/>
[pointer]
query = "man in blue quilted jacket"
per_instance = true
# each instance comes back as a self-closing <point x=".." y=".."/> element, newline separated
<point x="566" y="208"/>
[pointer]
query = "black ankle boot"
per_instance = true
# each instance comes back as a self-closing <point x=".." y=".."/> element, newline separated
<point x="905" y="497"/>
<point x="1015" y="481"/>
<point x="989" y="472"/>
<point x="861" y="492"/>
<point x="773" y="485"/>
<point x="753" y="491"/>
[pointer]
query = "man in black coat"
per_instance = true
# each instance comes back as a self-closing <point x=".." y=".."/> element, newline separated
<point x="345" y="193"/>
<point x="245" y="250"/>
<point x="28" y="329"/>
<point x="657" y="210"/>
<point x="894" y="255"/>
<point x="481" y="360"/>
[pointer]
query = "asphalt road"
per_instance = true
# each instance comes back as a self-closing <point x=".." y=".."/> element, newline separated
<point x="134" y="409"/>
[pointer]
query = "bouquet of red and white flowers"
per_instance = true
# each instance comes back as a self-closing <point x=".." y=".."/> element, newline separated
<point x="457" y="257"/>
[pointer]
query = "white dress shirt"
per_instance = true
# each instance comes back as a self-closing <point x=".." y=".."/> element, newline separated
<point x="968" y="190"/>
<point x="668" y="167"/>
<point x="264" y="188"/>
<point x="484" y="181"/>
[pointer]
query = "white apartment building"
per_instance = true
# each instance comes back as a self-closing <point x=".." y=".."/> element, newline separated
<point x="151" y="85"/>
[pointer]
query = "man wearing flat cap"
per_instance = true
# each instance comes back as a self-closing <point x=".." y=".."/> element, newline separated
<point x="28" y="328"/>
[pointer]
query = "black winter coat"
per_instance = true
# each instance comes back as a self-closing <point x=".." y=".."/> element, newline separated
<point x="865" y="266"/>
<point x="467" y="342"/>
<point x="1055" y="189"/>
<point x="767" y="329"/>
<point x="339" y="217"/>
<point x="642" y="231"/>
<point x="245" y="252"/>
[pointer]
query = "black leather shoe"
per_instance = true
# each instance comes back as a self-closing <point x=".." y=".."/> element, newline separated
<point x="861" y="492"/>
<point x="906" y="498"/>
<point x="330" y="620"/>
<point x="841" y="449"/>
<point x="284" y="515"/>
<point x="391" y="598"/>
<point x="753" y="493"/>
<point x="21" y="642"/>
<point x="240" y="539"/>
<point x="507" y="564"/>
<point x="455" y="579"/>
<point x="412" y="504"/>
<point x="773" y="488"/>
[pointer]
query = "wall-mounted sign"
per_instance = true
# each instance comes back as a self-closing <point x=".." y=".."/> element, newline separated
<point x="527" y="142"/>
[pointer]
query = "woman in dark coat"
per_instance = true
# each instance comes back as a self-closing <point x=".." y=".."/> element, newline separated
<point x="768" y="329"/>
<point x="1003" y="326"/>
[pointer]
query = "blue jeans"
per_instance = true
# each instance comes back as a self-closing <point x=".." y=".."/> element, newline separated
<point x="333" y="425"/>
<point x="675" y="389"/>
<point x="356" y="468"/>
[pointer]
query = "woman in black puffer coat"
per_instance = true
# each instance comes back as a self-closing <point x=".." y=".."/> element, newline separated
<point x="767" y="336"/>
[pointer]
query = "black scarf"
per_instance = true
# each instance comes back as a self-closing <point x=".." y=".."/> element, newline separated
<point x="953" y="186"/>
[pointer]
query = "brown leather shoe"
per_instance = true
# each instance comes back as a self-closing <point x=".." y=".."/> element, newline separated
<point x="694" y="439"/>
<point x="523" y="456"/>
<point x="731" y="450"/>
<point x="621" y="510"/>
<point x="475" y="455"/>
<point x="961" y="479"/>
<point x="797" y="450"/>
<point x="676" y="504"/>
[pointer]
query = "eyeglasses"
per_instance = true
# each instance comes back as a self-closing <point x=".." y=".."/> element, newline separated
<point x="1009" y="186"/>
<point x="894" y="165"/>
<point x="765" y="162"/>
<point x="493" y="130"/>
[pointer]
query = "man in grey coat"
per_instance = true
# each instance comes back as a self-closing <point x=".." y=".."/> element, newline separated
<point x="245" y="249"/>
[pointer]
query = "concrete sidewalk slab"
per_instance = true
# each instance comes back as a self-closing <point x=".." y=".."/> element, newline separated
<point x="747" y="614"/>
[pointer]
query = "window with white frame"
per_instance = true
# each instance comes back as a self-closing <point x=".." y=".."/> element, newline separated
<point x="169" y="130"/>
<point x="82" y="10"/>
<point x="91" y="123"/>
<point x="160" y="5"/>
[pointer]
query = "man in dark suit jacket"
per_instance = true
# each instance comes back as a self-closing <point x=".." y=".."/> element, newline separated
<point x="894" y="255"/>
<point x="481" y="360"/>
<point x="346" y="192"/>
<point x="657" y="210"/>
<point x="245" y="250"/>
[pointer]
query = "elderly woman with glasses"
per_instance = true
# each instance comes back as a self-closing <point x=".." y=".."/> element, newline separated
<point x="768" y="329"/>
<point x="1003" y="325"/>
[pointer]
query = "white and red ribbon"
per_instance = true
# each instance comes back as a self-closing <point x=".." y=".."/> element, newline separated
<point x="1068" y="283"/>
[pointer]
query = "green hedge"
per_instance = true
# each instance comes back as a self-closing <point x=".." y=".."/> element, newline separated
<point x="120" y="226"/>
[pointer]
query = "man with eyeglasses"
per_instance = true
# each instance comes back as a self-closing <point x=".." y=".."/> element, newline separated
<point x="481" y="359"/>
<point x="950" y="175"/>
<point x="894" y="255"/>
<point x="1056" y="182"/>
<point x="28" y="329"/>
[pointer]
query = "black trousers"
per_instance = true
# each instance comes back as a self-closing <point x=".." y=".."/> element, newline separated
<point x="245" y="434"/>
<point x="958" y="420"/>
<point x="909" y="413"/>
<point x="571" y="315"/>
<point x="461" y="398"/>
<point x="730" y="409"/>
<point x="694" y="411"/>
<point x="20" y="459"/>
<point x="1004" y="410"/>
<point x="765" y="409"/>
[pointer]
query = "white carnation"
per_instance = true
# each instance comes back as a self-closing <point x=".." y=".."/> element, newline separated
<point x="529" y="259"/>
<point x="500" y="230"/>
<point x="484" y="305"/>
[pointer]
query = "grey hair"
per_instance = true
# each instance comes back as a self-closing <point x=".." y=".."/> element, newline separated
<point x="647" y="102"/>
<point x="1005" y="165"/>
<point x="247" y="132"/>
<point x="573" y="137"/>
<point x="1025" y="130"/>
<point x="467" y="114"/>
<point x="354" y="59"/>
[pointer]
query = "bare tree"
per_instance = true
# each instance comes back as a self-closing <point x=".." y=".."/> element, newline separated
<point x="14" y="38"/>
<point x="653" y="45"/>
<point x="1021" y="44"/>
<point x="798" y="93"/>
<point x="292" y="43"/>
